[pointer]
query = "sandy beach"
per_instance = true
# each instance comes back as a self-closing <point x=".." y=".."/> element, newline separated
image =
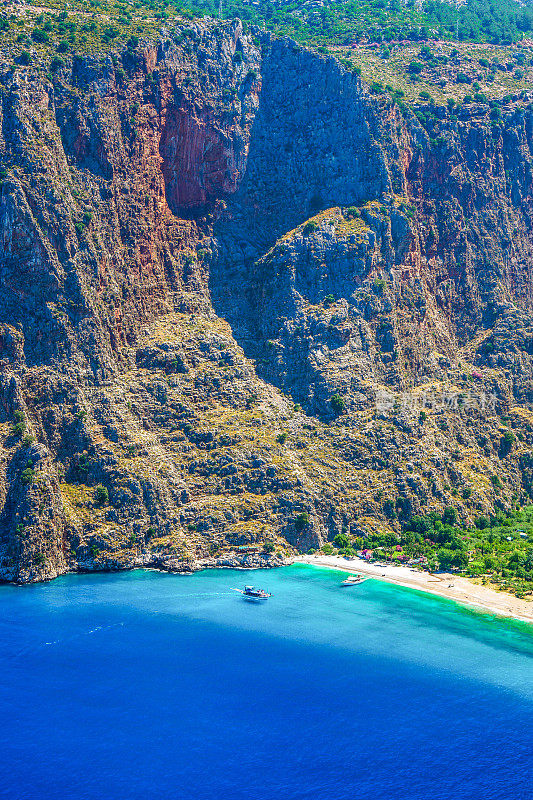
<point x="453" y="587"/>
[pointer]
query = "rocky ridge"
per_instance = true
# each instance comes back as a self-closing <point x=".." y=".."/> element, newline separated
<point x="246" y="305"/>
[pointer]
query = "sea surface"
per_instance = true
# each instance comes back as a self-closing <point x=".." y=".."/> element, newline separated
<point x="144" y="685"/>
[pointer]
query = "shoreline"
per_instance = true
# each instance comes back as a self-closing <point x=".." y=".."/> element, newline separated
<point x="451" y="587"/>
<point x="446" y="585"/>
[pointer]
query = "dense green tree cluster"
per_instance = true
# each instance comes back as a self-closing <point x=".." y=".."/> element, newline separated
<point x="93" y="24"/>
<point x="497" y="548"/>
<point x="88" y="25"/>
<point x="498" y="21"/>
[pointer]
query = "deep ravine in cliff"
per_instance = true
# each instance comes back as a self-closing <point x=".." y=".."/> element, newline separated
<point x="244" y="301"/>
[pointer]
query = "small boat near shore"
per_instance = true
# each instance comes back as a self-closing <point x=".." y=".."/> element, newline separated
<point x="254" y="595"/>
<point x="353" y="580"/>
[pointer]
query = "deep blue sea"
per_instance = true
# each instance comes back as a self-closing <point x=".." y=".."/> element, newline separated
<point x="141" y="685"/>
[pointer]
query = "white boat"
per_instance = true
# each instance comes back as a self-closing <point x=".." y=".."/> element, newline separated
<point x="353" y="580"/>
<point x="255" y="595"/>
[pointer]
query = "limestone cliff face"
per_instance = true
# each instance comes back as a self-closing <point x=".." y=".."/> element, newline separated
<point x="201" y="243"/>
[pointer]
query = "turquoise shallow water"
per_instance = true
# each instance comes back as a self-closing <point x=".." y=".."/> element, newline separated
<point x="144" y="685"/>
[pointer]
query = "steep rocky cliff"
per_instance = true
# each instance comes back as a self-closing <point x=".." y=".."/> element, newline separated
<point x="245" y="302"/>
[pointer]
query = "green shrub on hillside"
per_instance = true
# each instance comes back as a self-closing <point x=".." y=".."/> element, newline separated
<point x="101" y="496"/>
<point x="301" y="521"/>
<point x="338" y="404"/>
<point x="309" y="228"/>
